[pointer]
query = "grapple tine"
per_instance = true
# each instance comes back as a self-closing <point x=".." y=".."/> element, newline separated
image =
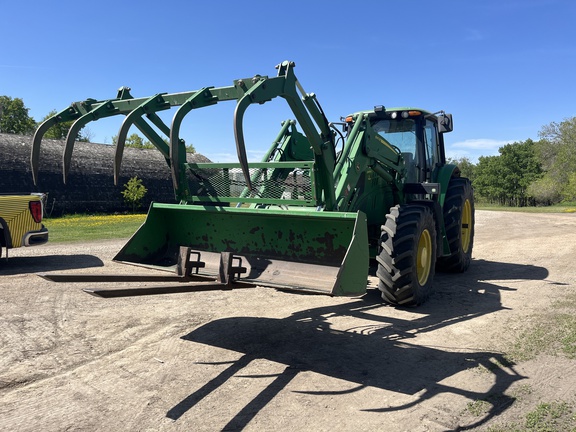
<point x="199" y="99"/>
<point x="262" y="90"/>
<point x="119" y="149"/>
<point x="241" y="107"/>
<point x="68" y="114"/>
<point x="36" y="143"/>
<point x="105" y="109"/>
<point x="151" y="105"/>
<point x="175" y="155"/>
<point x="69" y="146"/>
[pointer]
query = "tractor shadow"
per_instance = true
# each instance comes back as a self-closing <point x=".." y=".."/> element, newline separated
<point x="379" y="352"/>
<point x="42" y="263"/>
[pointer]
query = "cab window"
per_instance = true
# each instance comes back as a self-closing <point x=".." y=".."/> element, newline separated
<point x="431" y="143"/>
<point x="401" y="133"/>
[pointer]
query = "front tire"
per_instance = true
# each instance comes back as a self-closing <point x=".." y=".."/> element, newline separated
<point x="459" y="222"/>
<point x="406" y="262"/>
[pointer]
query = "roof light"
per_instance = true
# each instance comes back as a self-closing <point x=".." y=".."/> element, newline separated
<point x="394" y="115"/>
<point x="414" y="113"/>
<point x="349" y="119"/>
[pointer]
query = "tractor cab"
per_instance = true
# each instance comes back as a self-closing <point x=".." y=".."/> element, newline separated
<point x="417" y="135"/>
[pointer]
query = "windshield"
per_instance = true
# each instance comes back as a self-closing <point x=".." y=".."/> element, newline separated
<point x="400" y="133"/>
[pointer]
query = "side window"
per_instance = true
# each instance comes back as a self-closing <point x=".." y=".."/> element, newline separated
<point x="431" y="147"/>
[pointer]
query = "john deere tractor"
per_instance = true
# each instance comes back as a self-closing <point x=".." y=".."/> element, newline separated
<point x="326" y="198"/>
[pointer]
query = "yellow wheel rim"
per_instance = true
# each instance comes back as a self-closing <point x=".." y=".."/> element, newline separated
<point x="466" y="226"/>
<point x="424" y="257"/>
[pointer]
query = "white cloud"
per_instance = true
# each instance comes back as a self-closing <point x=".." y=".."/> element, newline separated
<point x="253" y="156"/>
<point x="474" y="148"/>
<point x="480" y="144"/>
<point x="221" y="157"/>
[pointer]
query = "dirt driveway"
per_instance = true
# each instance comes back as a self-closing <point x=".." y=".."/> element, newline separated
<point x="265" y="360"/>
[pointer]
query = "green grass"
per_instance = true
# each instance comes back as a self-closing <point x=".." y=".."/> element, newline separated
<point x="90" y="227"/>
<point x="552" y="331"/>
<point x="546" y="417"/>
<point x="98" y="227"/>
<point x="479" y="407"/>
<point x="558" y="208"/>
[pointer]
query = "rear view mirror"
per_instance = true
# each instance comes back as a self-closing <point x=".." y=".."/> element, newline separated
<point x="445" y="123"/>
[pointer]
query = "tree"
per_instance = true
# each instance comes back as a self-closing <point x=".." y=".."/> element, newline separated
<point x="557" y="147"/>
<point x="556" y="151"/>
<point x="190" y="148"/>
<point x="134" y="191"/>
<point x="14" y="118"/>
<point x="487" y="183"/>
<point x="135" y="141"/>
<point x="545" y="191"/>
<point x="522" y="168"/>
<point x="505" y="179"/>
<point x="569" y="190"/>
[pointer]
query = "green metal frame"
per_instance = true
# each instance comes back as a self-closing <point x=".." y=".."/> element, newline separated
<point x="350" y="193"/>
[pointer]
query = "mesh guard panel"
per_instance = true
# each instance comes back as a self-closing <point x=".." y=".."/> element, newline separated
<point x="284" y="184"/>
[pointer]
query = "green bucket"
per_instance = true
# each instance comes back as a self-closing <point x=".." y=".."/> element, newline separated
<point x="292" y="249"/>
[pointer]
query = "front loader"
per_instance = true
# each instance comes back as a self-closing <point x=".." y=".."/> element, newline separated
<point x="325" y="199"/>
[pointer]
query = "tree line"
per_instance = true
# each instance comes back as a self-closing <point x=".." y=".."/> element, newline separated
<point x="15" y="119"/>
<point x="528" y="173"/>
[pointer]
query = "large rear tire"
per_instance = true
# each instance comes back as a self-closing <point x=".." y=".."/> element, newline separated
<point x="407" y="256"/>
<point x="459" y="222"/>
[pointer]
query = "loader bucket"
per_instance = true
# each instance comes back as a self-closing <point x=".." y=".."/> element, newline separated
<point x="303" y="250"/>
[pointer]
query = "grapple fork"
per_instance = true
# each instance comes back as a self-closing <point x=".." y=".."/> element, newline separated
<point x="274" y="223"/>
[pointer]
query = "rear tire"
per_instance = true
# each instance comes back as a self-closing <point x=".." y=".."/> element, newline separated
<point x="407" y="256"/>
<point x="459" y="222"/>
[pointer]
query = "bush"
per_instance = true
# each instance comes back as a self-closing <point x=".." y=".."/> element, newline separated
<point x="134" y="191"/>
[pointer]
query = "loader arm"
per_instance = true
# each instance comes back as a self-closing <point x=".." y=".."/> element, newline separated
<point x="364" y="149"/>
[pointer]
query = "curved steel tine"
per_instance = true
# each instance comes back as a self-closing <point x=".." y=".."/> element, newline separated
<point x="201" y="98"/>
<point x="119" y="147"/>
<point x="241" y="107"/>
<point x="106" y="109"/>
<point x="69" y="146"/>
<point x="36" y="143"/>
<point x="151" y="105"/>
<point x="263" y="90"/>
<point x="65" y="115"/>
<point x="175" y="143"/>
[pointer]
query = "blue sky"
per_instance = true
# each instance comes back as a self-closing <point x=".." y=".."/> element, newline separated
<point x="503" y="68"/>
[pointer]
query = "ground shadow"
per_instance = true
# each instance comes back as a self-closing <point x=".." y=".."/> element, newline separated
<point x="44" y="263"/>
<point x="376" y="353"/>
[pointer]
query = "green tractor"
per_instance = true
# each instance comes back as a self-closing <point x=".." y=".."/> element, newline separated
<point x="325" y="199"/>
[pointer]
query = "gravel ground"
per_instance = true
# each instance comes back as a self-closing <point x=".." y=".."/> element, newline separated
<point x="265" y="360"/>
